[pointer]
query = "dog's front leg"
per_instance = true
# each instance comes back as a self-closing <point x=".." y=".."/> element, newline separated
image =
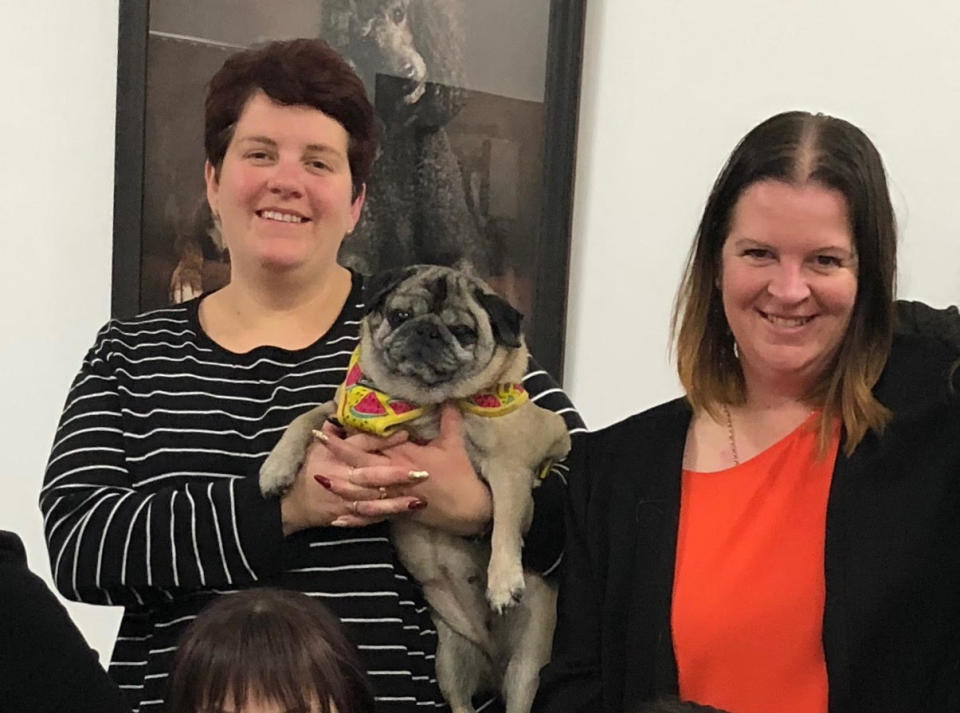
<point x="510" y="486"/>
<point x="280" y="468"/>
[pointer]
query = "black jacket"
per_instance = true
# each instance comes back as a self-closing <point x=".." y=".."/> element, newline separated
<point x="45" y="664"/>
<point x="891" y="630"/>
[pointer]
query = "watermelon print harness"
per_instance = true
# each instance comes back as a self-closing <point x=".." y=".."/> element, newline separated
<point x="364" y="408"/>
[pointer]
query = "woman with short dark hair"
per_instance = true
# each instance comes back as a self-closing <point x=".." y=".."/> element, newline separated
<point x="783" y="538"/>
<point x="151" y="497"/>
<point x="296" y="73"/>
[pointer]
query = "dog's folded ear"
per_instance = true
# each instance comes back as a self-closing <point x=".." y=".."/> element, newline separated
<point x="504" y="319"/>
<point x="377" y="287"/>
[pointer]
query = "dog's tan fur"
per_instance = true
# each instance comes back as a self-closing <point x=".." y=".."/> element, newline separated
<point x="477" y="649"/>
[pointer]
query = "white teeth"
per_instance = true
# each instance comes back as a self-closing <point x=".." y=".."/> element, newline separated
<point x="788" y="321"/>
<point x="282" y="217"/>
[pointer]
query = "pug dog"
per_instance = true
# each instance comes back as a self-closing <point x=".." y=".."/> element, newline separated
<point x="430" y="335"/>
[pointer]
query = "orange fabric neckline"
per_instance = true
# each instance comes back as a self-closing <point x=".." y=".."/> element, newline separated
<point x="767" y="452"/>
<point x="749" y="587"/>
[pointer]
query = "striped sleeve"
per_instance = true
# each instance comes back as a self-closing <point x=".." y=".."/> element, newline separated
<point x="547" y="393"/>
<point x="543" y="543"/>
<point x="111" y="543"/>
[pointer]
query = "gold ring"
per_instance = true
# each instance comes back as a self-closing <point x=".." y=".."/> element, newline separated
<point x="356" y="504"/>
<point x="383" y="492"/>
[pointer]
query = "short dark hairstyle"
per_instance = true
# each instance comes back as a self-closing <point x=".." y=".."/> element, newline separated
<point x="305" y="72"/>
<point x="797" y="147"/>
<point x="270" y="645"/>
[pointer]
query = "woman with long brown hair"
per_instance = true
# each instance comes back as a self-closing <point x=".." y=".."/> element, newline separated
<point x="784" y="538"/>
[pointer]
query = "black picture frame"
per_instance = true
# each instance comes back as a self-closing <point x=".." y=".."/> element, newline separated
<point x="545" y="331"/>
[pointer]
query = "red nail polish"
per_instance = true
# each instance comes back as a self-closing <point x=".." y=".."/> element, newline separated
<point x="417" y="505"/>
<point x="325" y="482"/>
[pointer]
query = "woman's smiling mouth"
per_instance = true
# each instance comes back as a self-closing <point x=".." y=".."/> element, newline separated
<point x="788" y="322"/>
<point x="281" y="216"/>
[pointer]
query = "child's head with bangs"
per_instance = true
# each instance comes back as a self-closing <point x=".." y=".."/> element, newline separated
<point x="267" y="651"/>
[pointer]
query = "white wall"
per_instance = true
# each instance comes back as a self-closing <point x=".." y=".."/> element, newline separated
<point x="58" y="64"/>
<point x="669" y="86"/>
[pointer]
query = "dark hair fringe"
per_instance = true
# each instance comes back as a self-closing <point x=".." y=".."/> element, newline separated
<point x="269" y="645"/>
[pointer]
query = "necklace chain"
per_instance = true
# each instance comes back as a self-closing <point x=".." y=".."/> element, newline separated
<point x="733" y="443"/>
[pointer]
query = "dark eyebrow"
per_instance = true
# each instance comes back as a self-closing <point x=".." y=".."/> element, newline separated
<point x="837" y="248"/>
<point x="741" y="240"/>
<point x="259" y="140"/>
<point x="323" y="149"/>
<point x="267" y="140"/>
<point x="289" y="710"/>
<point x="309" y="148"/>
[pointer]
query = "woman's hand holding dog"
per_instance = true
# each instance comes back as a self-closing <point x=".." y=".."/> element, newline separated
<point x="460" y="503"/>
<point x="366" y="478"/>
<point x="354" y="480"/>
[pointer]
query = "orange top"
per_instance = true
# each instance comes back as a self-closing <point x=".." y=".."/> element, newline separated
<point x="749" y="591"/>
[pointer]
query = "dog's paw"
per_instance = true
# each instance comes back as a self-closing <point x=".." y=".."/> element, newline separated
<point x="505" y="586"/>
<point x="278" y="472"/>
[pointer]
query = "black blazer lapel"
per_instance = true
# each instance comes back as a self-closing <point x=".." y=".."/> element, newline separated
<point x="650" y="667"/>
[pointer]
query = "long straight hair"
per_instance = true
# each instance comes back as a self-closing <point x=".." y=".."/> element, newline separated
<point x="797" y="148"/>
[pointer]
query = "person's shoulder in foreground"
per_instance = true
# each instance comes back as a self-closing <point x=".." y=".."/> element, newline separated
<point x="45" y="664"/>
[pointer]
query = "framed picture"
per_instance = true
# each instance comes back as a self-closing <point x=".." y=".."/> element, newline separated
<point x="478" y="103"/>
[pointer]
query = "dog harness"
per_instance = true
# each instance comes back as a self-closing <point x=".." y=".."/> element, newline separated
<point x="365" y="408"/>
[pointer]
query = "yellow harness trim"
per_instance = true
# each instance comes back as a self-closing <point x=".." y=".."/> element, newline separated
<point x="367" y="409"/>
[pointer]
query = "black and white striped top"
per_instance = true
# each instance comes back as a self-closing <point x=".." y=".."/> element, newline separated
<point x="150" y="499"/>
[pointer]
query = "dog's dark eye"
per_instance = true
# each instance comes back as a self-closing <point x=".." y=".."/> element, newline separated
<point x="464" y="335"/>
<point x="396" y="317"/>
<point x="398" y="14"/>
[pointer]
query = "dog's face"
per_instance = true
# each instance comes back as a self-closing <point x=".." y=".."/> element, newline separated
<point x="432" y="333"/>
<point x="387" y="41"/>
